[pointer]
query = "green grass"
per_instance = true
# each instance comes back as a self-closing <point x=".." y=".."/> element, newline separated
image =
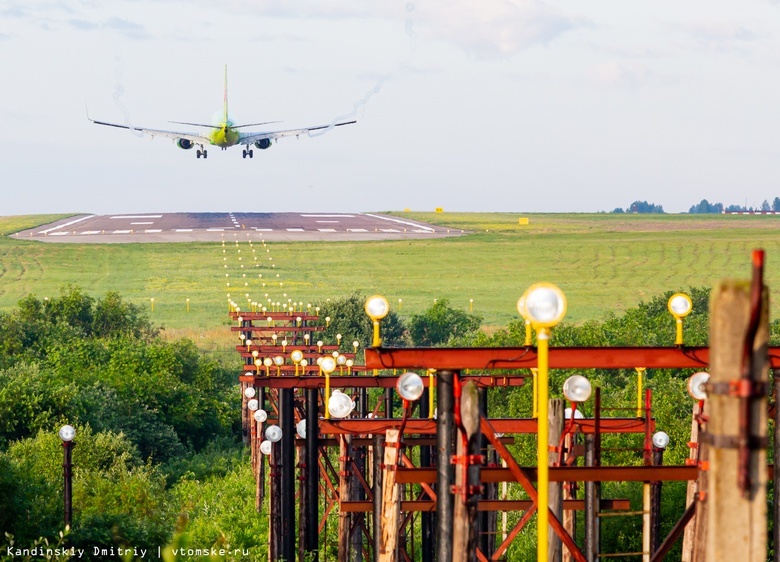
<point x="10" y="225"/>
<point x="602" y="262"/>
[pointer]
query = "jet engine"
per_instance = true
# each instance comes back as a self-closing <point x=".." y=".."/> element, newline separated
<point x="262" y="144"/>
<point x="186" y="144"/>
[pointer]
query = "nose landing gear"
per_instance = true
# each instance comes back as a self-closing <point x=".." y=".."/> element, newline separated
<point x="248" y="152"/>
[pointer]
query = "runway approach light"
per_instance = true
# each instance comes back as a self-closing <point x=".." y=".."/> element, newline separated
<point x="377" y="308"/>
<point x="340" y="405"/>
<point x="250" y="392"/>
<point x="697" y="384"/>
<point x="577" y="389"/>
<point x="545" y="305"/>
<point x="300" y="428"/>
<point x="680" y="306"/>
<point x="265" y="447"/>
<point x="67" y="433"/>
<point x="273" y="433"/>
<point x="410" y="386"/>
<point x="260" y="416"/>
<point x="660" y="439"/>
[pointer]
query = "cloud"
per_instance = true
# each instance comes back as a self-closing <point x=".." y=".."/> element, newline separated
<point x="125" y="27"/>
<point x="83" y="24"/>
<point x="497" y="28"/>
<point x="719" y="36"/>
<point x="621" y="75"/>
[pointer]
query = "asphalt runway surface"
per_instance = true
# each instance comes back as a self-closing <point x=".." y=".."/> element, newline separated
<point x="214" y="227"/>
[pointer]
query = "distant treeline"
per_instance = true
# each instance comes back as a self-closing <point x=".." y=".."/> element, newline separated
<point x="703" y="207"/>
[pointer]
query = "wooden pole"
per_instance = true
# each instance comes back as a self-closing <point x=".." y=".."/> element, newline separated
<point x="345" y="494"/>
<point x="464" y="524"/>
<point x="378" y="457"/>
<point x="569" y="515"/>
<point x="692" y="488"/>
<point x="555" y="498"/>
<point x="390" y="500"/>
<point x="737" y="521"/>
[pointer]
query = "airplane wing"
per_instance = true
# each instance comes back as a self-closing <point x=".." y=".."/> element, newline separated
<point x="249" y="138"/>
<point x="194" y="137"/>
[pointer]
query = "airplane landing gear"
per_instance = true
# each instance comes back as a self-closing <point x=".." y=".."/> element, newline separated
<point x="200" y="153"/>
<point x="246" y="153"/>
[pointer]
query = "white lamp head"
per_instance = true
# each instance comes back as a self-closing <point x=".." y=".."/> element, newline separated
<point x="340" y="405"/>
<point x="680" y="305"/>
<point x="545" y="304"/>
<point x="297" y="356"/>
<point x="67" y="433"/>
<point x="577" y="388"/>
<point x="250" y="392"/>
<point x="660" y="439"/>
<point x="377" y="307"/>
<point x="253" y="404"/>
<point x="260" y="416"/>
<point x="696" y="385"/>
<point x="410" y="386"/>
<point x="265" y="447"/>
<point x="273" y="433"/>
<point x="577" y="414"/>
<point x="300" y="429"/>
<point x="328" y="364"/>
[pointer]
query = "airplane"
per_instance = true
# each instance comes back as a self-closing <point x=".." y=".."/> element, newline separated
<point x="225" y="133"/>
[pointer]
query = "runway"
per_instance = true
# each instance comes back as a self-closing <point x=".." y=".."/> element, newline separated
<point x="214" y="227"/>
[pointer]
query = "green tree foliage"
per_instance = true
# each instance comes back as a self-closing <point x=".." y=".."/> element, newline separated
<point x="644" y="207"/>
<point x="348" y="318"/>
<point x="442" y="323"/>
<point x="705" y="207"/>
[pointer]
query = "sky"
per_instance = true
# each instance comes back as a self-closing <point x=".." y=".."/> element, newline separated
<point x="496" y="105"/>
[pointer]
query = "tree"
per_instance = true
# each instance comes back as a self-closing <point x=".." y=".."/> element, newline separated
<point x="348" y="318"/>
<point x="705" y="206"/>
<point x="776" y="204"/>
<point x="645" y="207"/>
<point x="441" y="323"/>
<point x="765" y="206"/>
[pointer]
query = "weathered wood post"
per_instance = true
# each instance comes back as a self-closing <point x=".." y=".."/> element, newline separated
<point x="692" y="489"/>
<point x="378" y="459"/>
<point x="391" y="502"/>
<point x="555" y="497"/>
<point x="739" y="336"/>
<point x="464" y="528"/>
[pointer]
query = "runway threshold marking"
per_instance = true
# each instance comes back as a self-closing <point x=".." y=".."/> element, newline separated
<point x="52" y="229"/>
<point x="399" y="221"/>
<point x="136" y="217"/>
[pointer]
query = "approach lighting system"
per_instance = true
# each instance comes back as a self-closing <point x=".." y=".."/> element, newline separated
<point x="660" y="439"/>
<point x="250" y="392"/>
<point x="265" y="447"/>
<point x="67" y="433"/>
<point x="300" y="428"/>
<point x="296" y="356"/>
<point x="577" y="414"/>
<point x="577" y="389"/>
<point x="410" y="386"/>
<point x="545" y="305"/>
<point x="253" y="404"/>
<point x="697" y="385"/>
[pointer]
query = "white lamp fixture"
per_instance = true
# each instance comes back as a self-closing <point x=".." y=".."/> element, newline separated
<point x="377" y="307"/>
<point x="660" y="439"/>
<point x="260" y="416"/>
<point x="410" y="386"/>
<point x="273" y="433"/>
<point x="253" y="404"/>
<point x="67" y="433"/>
<point x="577" y="389"/>
<point x="340" y="405"/>
<point x="696" y="385"/>
<point x="265" y="447"/>
<point x="250" y="392"/>
<point x="680" y="305"/>
<point x="545" y="304"/>
<point x="300" y="428"/>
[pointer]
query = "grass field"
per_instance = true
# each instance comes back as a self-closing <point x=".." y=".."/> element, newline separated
<point x="602" y="262"/>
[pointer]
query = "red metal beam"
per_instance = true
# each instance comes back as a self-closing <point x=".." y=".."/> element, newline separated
<point x="367" y="381"/>
<point x="508" y="425"/>
<point x="567" y="474"/>
<point x="560" y="358"/>
<point x="357" y="506"/>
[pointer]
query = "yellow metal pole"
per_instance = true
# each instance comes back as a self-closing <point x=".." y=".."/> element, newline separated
<point x="431" y="402"/>
<point x="679" y="339"/>
<point x="640" y="371"/>
<point x="327" y="394"/>
<point x="543" y="474"/>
